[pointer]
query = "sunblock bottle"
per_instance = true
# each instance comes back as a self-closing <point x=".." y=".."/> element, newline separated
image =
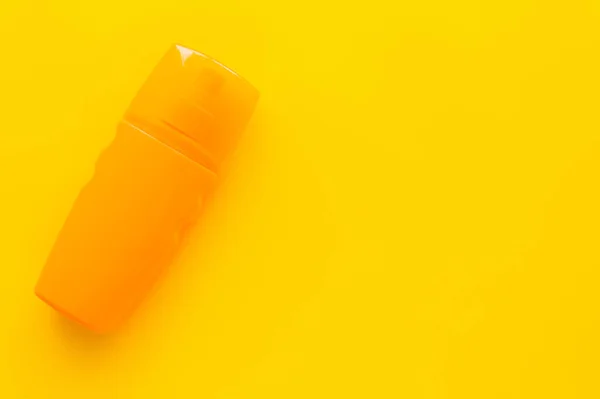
<point x="126" y="225"/>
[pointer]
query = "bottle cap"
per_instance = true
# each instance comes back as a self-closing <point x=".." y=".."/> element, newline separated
<point x="194" y="96"/>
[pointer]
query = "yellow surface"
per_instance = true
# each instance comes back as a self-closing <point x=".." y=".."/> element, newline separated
<point x="414" y="212"/>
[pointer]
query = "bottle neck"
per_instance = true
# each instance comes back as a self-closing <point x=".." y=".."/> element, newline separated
<point x="175" y="139"/>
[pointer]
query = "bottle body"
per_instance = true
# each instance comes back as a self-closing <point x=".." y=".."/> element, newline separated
<point x="123" y="230"/>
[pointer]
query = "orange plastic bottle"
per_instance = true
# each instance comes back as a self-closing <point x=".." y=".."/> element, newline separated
<point x="126" y="224"/>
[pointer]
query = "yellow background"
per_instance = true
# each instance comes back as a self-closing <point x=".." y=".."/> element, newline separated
<point x="414" y="211"/>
